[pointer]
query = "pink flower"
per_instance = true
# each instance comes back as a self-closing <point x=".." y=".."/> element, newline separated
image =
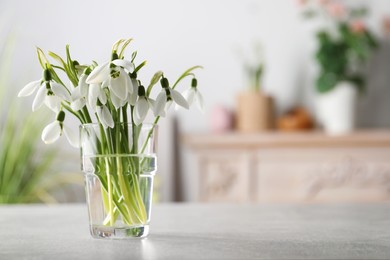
<point x="302" y="2"/>
<point x="386" y="25"/>
<point x="323" y="2"/>
<point x="357" y="26"/>
<point x="336" y="9"/>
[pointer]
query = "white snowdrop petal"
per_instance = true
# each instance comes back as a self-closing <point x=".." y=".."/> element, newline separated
<point x="106" y="116"/>
<point x="83" y="86"/>
<point x="116" y="101"/>
<point x="129" y="84"/>
<point x="179" y="99"/>
<point x="39" y="98"/>
<point x="99" y="74"/>
<point x="102" y="97"/>
<point x="189" y="95"/>
<point x="199" y="101"/>
<point x="151" y="103"/>
<point x="141" y="110"/>
<point x="78" y="104"/>
<point x="100" y="116"/>
<point x="29" y="89"/>
<point x="76" y="93"/>
<point x="118" y="86"/>
<point x="168" y="105"/>
<point x="53" y="103"/>
<point x="124" y="63"/>
<point x="132" y="98"/>
<point x="51" y="132"/>
<point x="94" y="91"/>
<point x="159" y="105"/>
<point x="60" y="91"/>
<point x="106" y="83"/>
<point x="135" y="84"/>
<point x="93" y="94"/>
<point x="72" y="137"/>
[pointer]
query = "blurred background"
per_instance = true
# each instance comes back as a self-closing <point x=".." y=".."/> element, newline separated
<point x="296" y="96"/>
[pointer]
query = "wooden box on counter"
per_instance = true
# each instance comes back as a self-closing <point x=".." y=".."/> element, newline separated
<point x="291" y="167"/>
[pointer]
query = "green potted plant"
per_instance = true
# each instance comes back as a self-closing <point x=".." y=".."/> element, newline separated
<point x="345" y="45"/>
<point x="254" y="107"/>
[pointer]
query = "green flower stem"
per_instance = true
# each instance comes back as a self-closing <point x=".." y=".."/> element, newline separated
<point x="121" y="190"/>
<point x="110" y="199"/>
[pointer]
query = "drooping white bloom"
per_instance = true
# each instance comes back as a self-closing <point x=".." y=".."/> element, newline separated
<point x="51" y="132"/>
<point x="30" y="88"/>
<point x="39" y="97"/>
<point x="104" y="116"/>
<point x="54" y="130"/>
<point x="71" y="136"/>
<point x="93" y="95"/>
<point x="53" y="102"/>
<point x="78" y="101"/>
<point x="115" y="74"/>
<point x="60" y="91"/>
<point x="49" y="93"/>
<point x="163" y="99"/>
<point x="192" y="95"/>
<point x="132" y="97"/>
<point x="141" y="109"/>
<point x="99" y="74"/>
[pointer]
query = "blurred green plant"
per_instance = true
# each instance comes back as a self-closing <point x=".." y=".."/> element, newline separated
<point x="253" y="64"/>
<point x="345" y="44"/>
<point x="27" y="174"/>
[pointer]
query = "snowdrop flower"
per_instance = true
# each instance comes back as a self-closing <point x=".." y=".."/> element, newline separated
<point x="78" y="101"/>
<point x="132" y="97"/>
<point x="192" y="95"/>
<point x="166" y="97"/>
<point x="142" y="106"/>
<point x="104" y="116"/>
<point x="115" y="74"/>
<point x="49" y="92"/>
<point x="54" y="130"/>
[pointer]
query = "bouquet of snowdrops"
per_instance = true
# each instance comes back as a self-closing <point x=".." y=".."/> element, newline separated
<point x="113" y="97"/>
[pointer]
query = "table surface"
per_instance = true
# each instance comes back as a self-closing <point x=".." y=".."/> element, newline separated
<point x="204" y="231"/>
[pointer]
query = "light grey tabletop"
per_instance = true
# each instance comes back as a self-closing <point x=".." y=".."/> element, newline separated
<point x="204" y="231"/>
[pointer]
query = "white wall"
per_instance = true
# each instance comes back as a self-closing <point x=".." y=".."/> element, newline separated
<point x="175" y="34"/>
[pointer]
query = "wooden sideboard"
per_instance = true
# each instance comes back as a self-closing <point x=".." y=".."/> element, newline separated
<point x="291" y="167"/>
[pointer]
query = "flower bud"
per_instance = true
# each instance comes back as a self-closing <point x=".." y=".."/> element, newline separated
<point x="75" y="63"/>
<point x="164" y="82"/>
<point x="61" y="116"/>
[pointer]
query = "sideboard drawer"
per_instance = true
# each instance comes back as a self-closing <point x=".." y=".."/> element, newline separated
<point x="224" y="176"/>
<point x="323" y="175"/>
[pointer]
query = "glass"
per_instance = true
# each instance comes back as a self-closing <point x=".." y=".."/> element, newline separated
<point x="119" y="165"/>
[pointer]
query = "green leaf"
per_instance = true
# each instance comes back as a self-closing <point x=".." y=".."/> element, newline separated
<point x="58" y="59"/>
<point x="326" y="82"/>
<point x="124" y="46"/>
<point x="156" y="77"/>
<point x="133" y="56"/>
<point x="140" y="66"/>
<point x="42" y="58"/>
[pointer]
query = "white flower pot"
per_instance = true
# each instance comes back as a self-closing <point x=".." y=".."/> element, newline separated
<point x="336" y="109"/>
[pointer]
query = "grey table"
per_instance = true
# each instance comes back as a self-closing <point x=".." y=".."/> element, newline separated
<point x="204" y="231"/>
